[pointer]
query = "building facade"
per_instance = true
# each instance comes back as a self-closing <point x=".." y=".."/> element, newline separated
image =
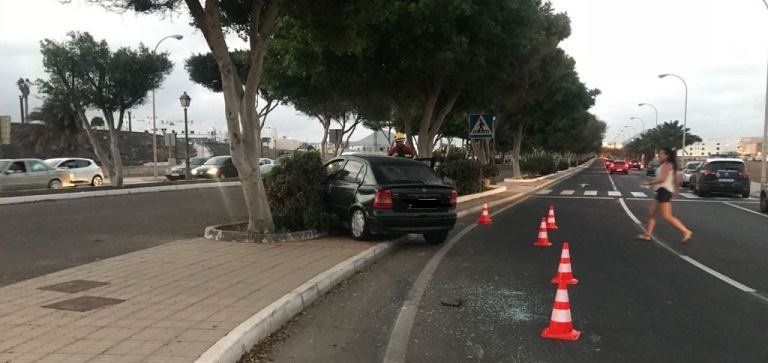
<point x="713" y="147"/>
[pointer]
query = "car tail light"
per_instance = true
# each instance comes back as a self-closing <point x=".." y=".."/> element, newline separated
<point x="383" y="199"/>
<point x="709" y="172"/>
<point x="743" y="173"/>
<point x="454" y="196"/>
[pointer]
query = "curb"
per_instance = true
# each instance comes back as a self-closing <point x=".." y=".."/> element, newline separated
<point x="111" y="192"/>
<point x="242" y="338"/>
<point x="217" y="233"/>
<point x="245" y="336"/>
<point x="495" y="190"/>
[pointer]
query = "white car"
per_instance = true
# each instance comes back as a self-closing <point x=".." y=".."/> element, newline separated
<point x="266" y="165"/>
<point x="81" y="171"/>
<point x="688" y="170"/>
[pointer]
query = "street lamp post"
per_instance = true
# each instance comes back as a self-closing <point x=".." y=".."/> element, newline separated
<point x="641" y="121"/>
<point x="185" y="100"/>
<point x="654" y="109"/>
<point x="685" y="108"/>
<point x="154" y="116"/>
<point x="763" y="167"/>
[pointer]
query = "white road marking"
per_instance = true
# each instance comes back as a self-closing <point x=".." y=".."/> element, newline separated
<point x="690" y="195"/>
<point x="612" y="183"/>
<point x="590" y="192"/>
<point x="746" y="209"/>
<point x="614" y="193"/>
<point x="567" y="192"/>
<point x="574" y="197"/>
<point x="690" y="260"/>
<point x="544" y="191"/>
<point x="639" y="195"/>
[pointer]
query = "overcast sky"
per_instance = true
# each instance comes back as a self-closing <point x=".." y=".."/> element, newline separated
<point x="620" y="46"/>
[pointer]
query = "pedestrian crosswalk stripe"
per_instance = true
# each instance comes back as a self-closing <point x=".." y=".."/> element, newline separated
<point x="689" y="195"/>
<point x="567" y="192"/>
<point x="544" y="191"/>
<point x="614" y="193"/>
<point x="590" y="192"/>
<point x="639" y="194"/>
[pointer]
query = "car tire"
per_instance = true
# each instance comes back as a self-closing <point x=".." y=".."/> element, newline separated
<point x="97" y="181"/>
<point x="763" y="203"/>
<point x="436" y="238"/>
<point x="358" y="225"/>
<point x="745" y="194"/>
<point x="54" y="184"/>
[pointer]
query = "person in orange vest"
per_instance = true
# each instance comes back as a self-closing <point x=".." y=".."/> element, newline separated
<point x="400" y="149"/>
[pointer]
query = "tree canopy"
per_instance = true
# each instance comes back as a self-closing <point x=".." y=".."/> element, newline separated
<point x="669" y="134"/>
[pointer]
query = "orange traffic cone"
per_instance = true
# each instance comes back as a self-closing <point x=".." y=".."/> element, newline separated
<point x="485" y="218"/>
<point x="560" y="324"/>
<point x="564" y="272"/>
<point x="543" y="239"/>
<point x="551" y="224"/>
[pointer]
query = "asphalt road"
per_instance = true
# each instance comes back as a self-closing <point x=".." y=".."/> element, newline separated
<point x="40" y="238"/>
<point x="636" y="301"/>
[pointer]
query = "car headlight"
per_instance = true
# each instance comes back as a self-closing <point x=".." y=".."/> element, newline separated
<point x="213" y="171"/>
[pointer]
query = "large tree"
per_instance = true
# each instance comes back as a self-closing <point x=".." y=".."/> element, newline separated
<point x="667" y="134"/>
<point x="91" y="76"/>
<point x="255" y="22"/>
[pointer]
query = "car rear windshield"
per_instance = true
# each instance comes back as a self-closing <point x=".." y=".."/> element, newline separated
<point x="726" y="165"/>
<point x="619" y="163"/>
<point x="401" y="173"/>
<point x="216" y="160"/>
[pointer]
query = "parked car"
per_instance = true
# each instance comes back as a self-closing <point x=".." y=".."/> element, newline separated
<point x="16" y="174"/>
<point x="721" y="175"/>
<point x="634" y="164"/>
<point x="81" y="171"/>
<point x="619" y="166"/>
<point x="608" y="164"/>
<point x="650" y="170"/>
<point x="179" y="171"/>
<point x="688" y="170"/>
<point x="266" y="165"/>
<point x="377" y="194"/>
<point x="217" y="167"/>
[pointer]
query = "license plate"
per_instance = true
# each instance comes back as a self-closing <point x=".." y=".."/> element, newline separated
<point x="725" y="180"/>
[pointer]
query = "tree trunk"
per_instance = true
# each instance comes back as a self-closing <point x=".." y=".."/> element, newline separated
<point x="98" y="149"/>
<point x="116" y="174"/>
<point x="324" y="141"/>
<point x="516" y="146"/>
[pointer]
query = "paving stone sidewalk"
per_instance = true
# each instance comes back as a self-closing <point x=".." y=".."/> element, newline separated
<point x="170" y="303"/>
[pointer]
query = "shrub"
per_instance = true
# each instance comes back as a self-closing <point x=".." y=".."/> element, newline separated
<point x="563" y="165"/>
<point x="465" y="175"/>
<point x="490" y="170"/>
<point x="295" y="191"/>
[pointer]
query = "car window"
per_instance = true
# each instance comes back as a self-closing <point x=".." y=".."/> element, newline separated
<point x="217" y="160"/>
<point x="35" y="165"/>
<point x="18" y="167"/>
<point x="69" y="164"/>
<point x="333" y="167"/>
<point x="82" y="163"/>
<point x="402" y="173"/>
<point x="725" y="165"/>
<point x="352" y="171"/>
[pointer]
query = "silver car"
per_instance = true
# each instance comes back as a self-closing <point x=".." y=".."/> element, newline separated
<point x="81" y="171"/>
<point x="688" y="170"/>
<point x="18" y="174"/>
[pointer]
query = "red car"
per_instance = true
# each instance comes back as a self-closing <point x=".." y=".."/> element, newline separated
<point x="608" y="164"/>
<point x="619" y="166"/>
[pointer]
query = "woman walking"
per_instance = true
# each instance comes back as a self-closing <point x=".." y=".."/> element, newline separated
<point x="666" y="183"/>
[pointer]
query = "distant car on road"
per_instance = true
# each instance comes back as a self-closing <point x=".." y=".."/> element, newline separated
<point x="619" y="166"/>
<point x="634" y="164"/>
<point x="266" y="165"/>
<point x="179" y="171"/>
<point x="217" y="167"/>
<point x="688" y="170"/>
<point x="608" y="163"/>
<point x="377" y="194"/>
<point x="650" y="170"/>
<point x="16" y="174"/>
<point x="81" y="171"/>
<point x="721" y="175"/>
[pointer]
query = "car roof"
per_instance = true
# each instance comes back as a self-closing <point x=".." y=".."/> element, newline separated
<point x="711" y="160"/>
<point x="382" y="159"/>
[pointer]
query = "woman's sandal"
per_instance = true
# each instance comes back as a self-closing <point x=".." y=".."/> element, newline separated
<point x="687" y="236"/>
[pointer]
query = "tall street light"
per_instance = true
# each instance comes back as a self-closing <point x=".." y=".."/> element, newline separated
<point x="685" y="108"/>
<point x="641" y="121"/>
<point x="154" y="116"/>
<point x="654" y="109"/>
<point x="763" y="172"/>
<point x="185" y="100"/>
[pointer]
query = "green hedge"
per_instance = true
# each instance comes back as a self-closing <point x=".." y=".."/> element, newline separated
<point x="465" y="175"/>
<point x="539" y="163"/>
<point x="295" y="191"/>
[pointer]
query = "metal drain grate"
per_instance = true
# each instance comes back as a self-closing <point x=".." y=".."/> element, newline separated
<point x="74" y="286"/>
<point x="84" y="303"/>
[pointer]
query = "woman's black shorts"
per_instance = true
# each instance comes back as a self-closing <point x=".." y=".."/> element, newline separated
<point x="663" y="195"/>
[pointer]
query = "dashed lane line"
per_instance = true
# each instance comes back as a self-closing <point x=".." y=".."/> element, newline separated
<point x="639" y="195"/>
<point x="544" y="191"/>
<point x="690" y="195"/>
<point x="590" y="192"/>
<point x="567" y="192"/>
<point x="614" y="193"/>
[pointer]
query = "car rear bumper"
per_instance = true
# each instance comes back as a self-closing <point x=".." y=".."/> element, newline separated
<point x="714" y="186"/>
<point x="411" y="222"/>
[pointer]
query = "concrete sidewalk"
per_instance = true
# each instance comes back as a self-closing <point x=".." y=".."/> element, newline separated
<point x="181" y="301"/>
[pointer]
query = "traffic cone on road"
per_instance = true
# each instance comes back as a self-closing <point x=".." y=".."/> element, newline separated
<point x="543" y="239"/>
<point x="485" y="218"/>
<point x="560" y="324"/>
<point x="551" y="224"/>
<point x="564" y="272"/>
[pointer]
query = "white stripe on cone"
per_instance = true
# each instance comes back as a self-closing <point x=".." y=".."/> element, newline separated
<point x="561" y="296"/>
<point x="564" y="267"/>
<point x="565" y="253"/>
<point x="561" y="316"/>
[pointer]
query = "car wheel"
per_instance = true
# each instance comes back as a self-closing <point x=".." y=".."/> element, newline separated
<point x="358" y="226"/>
<point x="54" y="184"/>
<point x="97" y="181"/>
<point x="436" y="238"/>
<point x="763" y="203"/>
<point x="745" y="194"/>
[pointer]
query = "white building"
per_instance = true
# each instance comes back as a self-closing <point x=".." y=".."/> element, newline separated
<point x="713" y="147"/>
<point x="376" y="142"/>
<point x="284" y="143"/>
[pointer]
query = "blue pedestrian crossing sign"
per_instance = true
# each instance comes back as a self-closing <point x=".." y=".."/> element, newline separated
<point x="481" y="126"/>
